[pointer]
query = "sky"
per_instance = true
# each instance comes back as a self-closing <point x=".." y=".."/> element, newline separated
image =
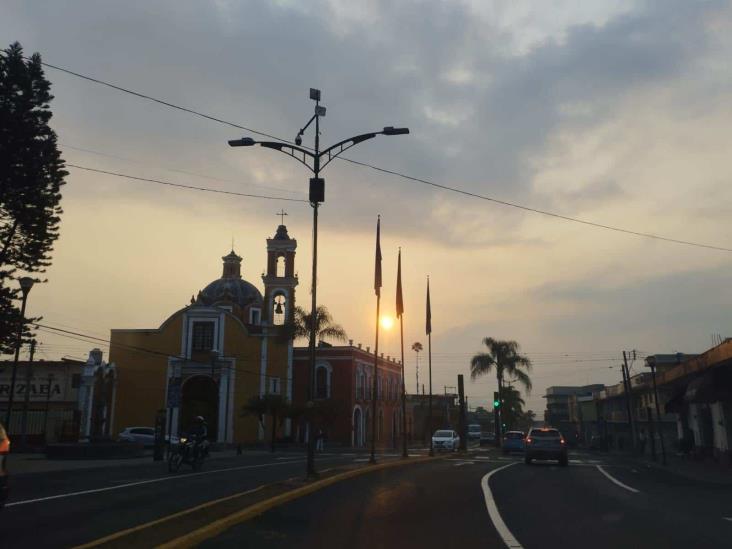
<point x="612" y="112"/>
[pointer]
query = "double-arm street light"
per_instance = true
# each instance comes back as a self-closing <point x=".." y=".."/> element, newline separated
<point x="315" y="160"/>
<point x="26" y="283"/>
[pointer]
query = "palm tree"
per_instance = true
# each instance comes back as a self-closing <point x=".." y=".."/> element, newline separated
<point x="325" y="327"/>
<point x="502" y="357"/>
<point x="417" y="348"/>
<point x="512" y="407"/>
<point x="271" y="405"/>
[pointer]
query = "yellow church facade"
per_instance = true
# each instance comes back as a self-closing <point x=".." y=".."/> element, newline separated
<point x="232" y="343"/>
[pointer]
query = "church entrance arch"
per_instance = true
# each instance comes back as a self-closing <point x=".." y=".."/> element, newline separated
<point x="200" y="397"/>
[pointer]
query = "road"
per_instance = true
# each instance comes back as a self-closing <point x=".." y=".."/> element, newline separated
<point x="67" y="508"/>
<point x="444" y="504"/>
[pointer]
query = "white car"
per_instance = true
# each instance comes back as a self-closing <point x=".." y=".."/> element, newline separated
<point x="445" y="439"/>
<point x="143" y="435"/>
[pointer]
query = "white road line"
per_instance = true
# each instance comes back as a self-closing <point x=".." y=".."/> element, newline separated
<point x="150" y="481"/>
<point x="616" y="481"/>
<point x="503" y="531"/>
<point x="727" y="518"/>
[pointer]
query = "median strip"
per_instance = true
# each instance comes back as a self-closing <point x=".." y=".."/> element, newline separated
<point x="218" y="526"/>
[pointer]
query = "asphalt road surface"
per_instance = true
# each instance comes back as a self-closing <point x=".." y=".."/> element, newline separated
<point x="446" y="504"/>
<point x="67" y="508"/>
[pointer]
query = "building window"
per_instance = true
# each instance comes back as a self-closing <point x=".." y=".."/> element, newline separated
<point x="274" y="386"/>
<point x="359" y="384"/>
<point x="203" y="336"/>
<point x="321" y="382"/>
<point x="255" y="316"/>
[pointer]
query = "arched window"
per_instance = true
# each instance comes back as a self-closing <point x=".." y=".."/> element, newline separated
<point x="322" y="381"/>
<point x="359" y="384"/>
<point x="280" y="266"/>
<point x="279" y="310"/>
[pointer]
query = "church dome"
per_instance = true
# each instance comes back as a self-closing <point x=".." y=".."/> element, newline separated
<point x="231" y="287"/>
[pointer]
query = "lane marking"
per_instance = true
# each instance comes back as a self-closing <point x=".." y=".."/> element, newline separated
<point x="149" y="481"/>
<point x="727" y="518"/>
<point x="508" y="538"/>
<point x="122" y="533"/>
<point x="616" y="481"/>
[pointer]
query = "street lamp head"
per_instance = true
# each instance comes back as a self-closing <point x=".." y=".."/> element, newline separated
<point x="319" y="110"/>
<point x="26" y="283"/>
<point x="391" y="130"/>
<point x="243" y="142"/>
<point x="314" y="94"/>
<point x="298" y="139"/>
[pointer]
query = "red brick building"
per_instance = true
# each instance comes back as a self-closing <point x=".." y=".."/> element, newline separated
<point x="344" y="374"/>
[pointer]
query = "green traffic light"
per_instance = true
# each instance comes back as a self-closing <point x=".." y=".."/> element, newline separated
<point x="496" y="403"/>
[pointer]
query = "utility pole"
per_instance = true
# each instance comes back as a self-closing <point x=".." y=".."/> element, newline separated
<point x="463" y="420"/>
<point x="652" y="364"/>
<point x="26" y="400"/>
<point x="628" y="398"/>
<point x="48" y="403"/>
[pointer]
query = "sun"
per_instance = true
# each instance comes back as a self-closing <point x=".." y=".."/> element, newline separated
<point x="387" y="322"/>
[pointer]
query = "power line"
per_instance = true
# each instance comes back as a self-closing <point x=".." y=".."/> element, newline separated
<point x="184" y="172"/>
<point x="181" y="185"/>
<point x="393" y="172"/>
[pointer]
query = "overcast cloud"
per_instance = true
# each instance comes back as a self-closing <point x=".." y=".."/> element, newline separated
<point x="612" y="112"/>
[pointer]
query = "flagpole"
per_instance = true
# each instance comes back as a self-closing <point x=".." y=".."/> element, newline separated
<point x="400" y="312"/>
<point x="429" y="354"/>
<point x="372" y="459"/>
<point x="377" y="289"/>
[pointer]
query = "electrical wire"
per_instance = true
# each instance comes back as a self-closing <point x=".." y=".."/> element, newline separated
<point x="190" y="187"/>
<point x="391" y="172"/>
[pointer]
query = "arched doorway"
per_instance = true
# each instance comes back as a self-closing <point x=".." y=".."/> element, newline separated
<point x="357" y="436"/>
<point x="200" y="398"/>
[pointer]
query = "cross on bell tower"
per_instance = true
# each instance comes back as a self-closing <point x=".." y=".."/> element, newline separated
<point x="282" y="215"/>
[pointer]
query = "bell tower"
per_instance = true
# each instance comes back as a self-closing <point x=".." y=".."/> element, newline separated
<point x="279" y="279"/>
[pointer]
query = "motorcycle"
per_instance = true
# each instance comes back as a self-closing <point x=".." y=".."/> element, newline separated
<point x="187" y="451"/>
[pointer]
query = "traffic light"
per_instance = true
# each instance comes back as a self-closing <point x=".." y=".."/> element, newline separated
<point x="496" y="400"/>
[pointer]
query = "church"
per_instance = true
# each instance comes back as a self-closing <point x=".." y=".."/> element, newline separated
<point x="210" y="358"/>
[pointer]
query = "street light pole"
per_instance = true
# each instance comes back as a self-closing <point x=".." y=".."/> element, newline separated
<point x="26" y="399"/>
<point x="315" y="160"/>
<point x="652" y="364"/>
<point x="26" y="283"/>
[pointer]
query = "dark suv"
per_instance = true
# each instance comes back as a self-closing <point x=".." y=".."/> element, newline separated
<point x="545" y="443"/>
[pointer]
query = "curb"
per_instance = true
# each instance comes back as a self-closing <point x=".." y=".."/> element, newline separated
<point x="218" y="526"/>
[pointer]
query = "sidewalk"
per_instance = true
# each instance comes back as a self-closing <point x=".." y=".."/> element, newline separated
<point x="707" y="471"/>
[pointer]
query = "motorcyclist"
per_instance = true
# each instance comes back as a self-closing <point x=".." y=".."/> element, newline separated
<point x="199" y="434"/>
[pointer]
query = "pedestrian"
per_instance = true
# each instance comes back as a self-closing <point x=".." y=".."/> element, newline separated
<point x="642" y="441"/>
<point x="319" y="441"/>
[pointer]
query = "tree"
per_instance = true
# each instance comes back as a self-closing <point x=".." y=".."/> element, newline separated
<point x="503" y="358"/>
<point x="512" y="408"/>
<point x="268" y="405"/>
<point x="325" y="327"/>
<point x="31" y="175"/>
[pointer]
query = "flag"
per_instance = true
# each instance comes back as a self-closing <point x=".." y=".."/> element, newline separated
<point x="399" y="298"/>
<point x="428" y="328"/>
<point x="377" y="267"/>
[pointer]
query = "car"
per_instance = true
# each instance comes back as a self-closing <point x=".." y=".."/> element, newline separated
<point x="4" y="451"/>
<point x="546" y="443"/>
<point x="445" y="439"/>
<point x="487" y="438"/>
<point x="474" y="431"/>
<point x="513" y="441"/>
<point x="143" y="435"/>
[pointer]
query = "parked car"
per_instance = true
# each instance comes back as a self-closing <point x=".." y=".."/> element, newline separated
<point x="487" y="438"/>
<point x="4" y="451"/>
<point x="513" y="441"/>
<point x="474" y="431"/>
<point x="546" y="443"/>
<point x="143" y="435"/>
<point x="445" y="439"/>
